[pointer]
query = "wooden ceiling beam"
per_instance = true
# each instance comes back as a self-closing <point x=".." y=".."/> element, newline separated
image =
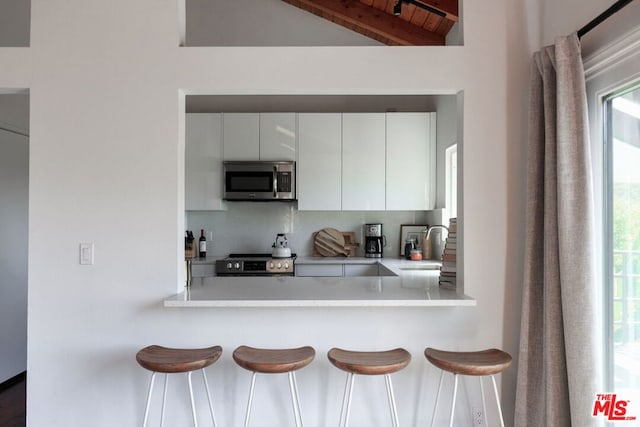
<point x="449" y="7"/>
<point x="370" y="21"/>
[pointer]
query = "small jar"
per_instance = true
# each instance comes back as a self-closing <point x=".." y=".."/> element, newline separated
<point x="409" y="246"/>
<point x="416" y="255"/>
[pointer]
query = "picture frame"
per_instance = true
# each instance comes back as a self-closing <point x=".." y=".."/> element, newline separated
<point x="408" y="231"/>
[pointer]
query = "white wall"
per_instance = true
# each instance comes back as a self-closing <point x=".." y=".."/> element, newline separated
<point x="447" y="135"/>
<point x="14" y="195"/>
<point x="106" y="166"/>
<point x="247" y="227"/>
<point x="14" y="112"/>
<point x="263" y="23"/>
<point x="562" y="18"/>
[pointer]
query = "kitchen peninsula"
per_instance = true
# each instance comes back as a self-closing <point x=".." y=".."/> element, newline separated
<point x="404" y="284"/>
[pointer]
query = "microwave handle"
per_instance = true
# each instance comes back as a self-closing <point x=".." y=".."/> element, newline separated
<point x="275" y="182"/>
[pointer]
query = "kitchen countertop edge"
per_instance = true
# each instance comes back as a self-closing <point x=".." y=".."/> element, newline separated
<point x="409" y="275"/>
<point x="180" y="300"/>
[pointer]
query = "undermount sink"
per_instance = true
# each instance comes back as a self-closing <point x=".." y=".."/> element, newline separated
<point x="420" y="267"/>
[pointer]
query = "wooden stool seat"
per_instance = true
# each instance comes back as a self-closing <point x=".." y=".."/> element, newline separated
<point x="484" y="362"/>
<point x="174" y="360"/>
<point x="369" y="362"/>
<point x="166" y="360"/>
<point x="273" y="361"/>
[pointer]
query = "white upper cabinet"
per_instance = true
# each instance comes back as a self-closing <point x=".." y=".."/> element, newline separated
<point x="319" y="161"/>
<point x="363" y="161"/>
<point x="203" y="162"/>
<point x="345" y="161"/>
<point x="259" y="136"/>
<point x="241" y="134"/>
<point x="277" y="136"/>
<point x="410" y="171"/>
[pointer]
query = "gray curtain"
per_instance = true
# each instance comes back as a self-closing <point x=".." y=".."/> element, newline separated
<point x="559" y="363"/>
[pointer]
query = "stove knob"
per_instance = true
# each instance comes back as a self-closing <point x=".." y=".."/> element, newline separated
<point x="279" y="265"/>
<point x="236" y="266"/>
<point x="229" y="266"/>
<point x="271" y="265"/>
<point x="286" y="265"/>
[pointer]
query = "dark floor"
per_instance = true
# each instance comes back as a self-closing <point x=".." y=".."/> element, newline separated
<point x="13" y="402"/>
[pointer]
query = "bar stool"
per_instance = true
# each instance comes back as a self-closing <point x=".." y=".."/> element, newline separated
<point x="368" y="363"/>
<point x="476" y="363"/>
<point x="166" y="360"/>
<point x="274" y="361"/>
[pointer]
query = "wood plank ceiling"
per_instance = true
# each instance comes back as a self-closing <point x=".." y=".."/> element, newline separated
<point x="415" y="26"/>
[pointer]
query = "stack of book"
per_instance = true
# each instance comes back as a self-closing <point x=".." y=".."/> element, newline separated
<point x="448" y="269"/>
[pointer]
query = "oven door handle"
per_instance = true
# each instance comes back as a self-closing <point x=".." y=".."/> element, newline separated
<point x="275" y="182"/>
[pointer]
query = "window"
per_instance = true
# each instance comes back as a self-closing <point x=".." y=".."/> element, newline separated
<point x="622" y="236"/>
<point x="613" y="97"/>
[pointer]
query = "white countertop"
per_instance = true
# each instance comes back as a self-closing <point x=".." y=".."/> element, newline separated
<point x="413" y="287"/>
<point x="394" y="264"/>
<point x="336" y="260"/>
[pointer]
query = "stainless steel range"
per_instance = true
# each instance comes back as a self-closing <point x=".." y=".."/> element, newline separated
<point x="255" y="265"/>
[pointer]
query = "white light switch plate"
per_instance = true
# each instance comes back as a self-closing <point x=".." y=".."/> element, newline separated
<point x="86" y="253"/>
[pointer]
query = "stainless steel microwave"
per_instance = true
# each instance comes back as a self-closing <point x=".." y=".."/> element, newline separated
<point x="260" y="180"/>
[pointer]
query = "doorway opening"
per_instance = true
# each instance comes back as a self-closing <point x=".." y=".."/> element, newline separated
<point x="14" y="205"/>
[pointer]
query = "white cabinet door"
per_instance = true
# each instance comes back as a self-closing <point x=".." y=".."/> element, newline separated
<point x="363" y="161"/>
<point x="241" y="135"/>
<point x="336" y="270"/>
<point x="410" y="172"/>
<point x="203" y="162"/>
<point x="319" y="270"/>
<point x="319" y="161"/>
<point x="203" y="270"/>
<point x="277" y="136"/>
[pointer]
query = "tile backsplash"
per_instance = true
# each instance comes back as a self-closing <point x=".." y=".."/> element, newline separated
<point x="252" y="226"/>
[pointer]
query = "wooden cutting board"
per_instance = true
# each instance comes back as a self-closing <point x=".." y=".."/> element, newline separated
<point x="330" y="242"/>
<point x="350" y="243"/>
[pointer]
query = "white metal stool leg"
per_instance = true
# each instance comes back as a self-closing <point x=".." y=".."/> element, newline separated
<point x="164" y="398"/>
<point x="346" y="400"/>
<point x="146" y="408"/>
<point x="481" y="363"/>
<point x="453" y="401"/>
<point x="248" y="413"/>
<point x="495" y="389"/>
<point x="206" y="387"/>
<point x="484" y="401"/>
<point x="193" y="404"/>
<point x="392" y="400"/>
<point x="295" y="399"/>
<point x="435" y="408"/>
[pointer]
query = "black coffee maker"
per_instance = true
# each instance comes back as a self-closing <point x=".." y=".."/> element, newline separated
<point x="373" y="240"/>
